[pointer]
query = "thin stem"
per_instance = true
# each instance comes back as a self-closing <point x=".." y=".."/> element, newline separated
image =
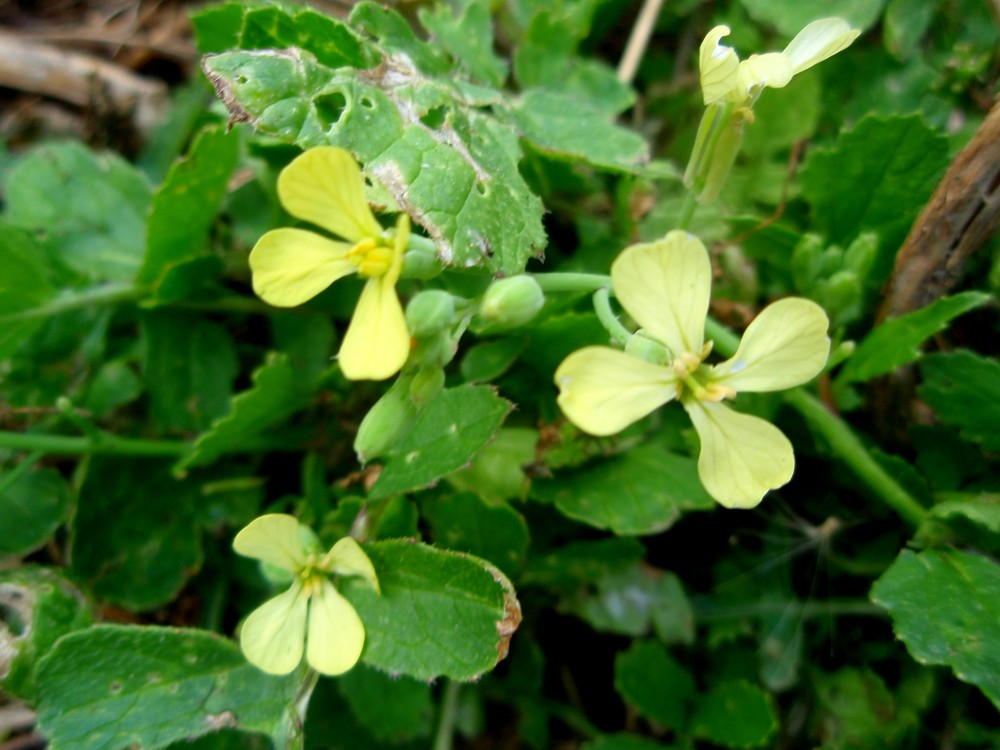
<point x="602" y="306"/>
<point x="687" y="210"/>
<point x="108" y="443"/>
<point x="449" y="713"/>
<point x="707" y="610"/>
<point x="110" y="294"/>
<point x="571" y="282"/>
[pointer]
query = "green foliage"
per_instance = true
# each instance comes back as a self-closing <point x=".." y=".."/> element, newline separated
<point x="963" y="389"/>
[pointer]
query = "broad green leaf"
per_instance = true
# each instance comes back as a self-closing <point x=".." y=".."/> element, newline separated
<point x="945" y="606"/>
<point x="468" y="38"/>
<point x="189" y="367"/>
<point x="647" y="677"/>
<point x="642" y="491"/>
<point x="440" y="613"/>
<point x="876" y="176"/>
<point x="114" y="385"/>
<point x="556" y="124"/>
<point x="135" y="537"/>
<point x="115" y="686"/>
<point x="465" y="523"/>
<point x="392" y="709"/>
<point x="37" y="607"/>
<point x="32" y="508"/>
<point x="981" y="509"/>
<point x="582" y="562"/>
<point x="451" y="166"/>
<point x="276" y="394"/>
<point x="24" y="285"/>
<point x="488" y="360"/>
<point x="896" y="342"/>
<point x="187" y="202"/>
<point x="963" y="389"/>
<point x="904" y="26"/>
<point x="859" y="711"/>
<point x="735" y="714"/>
<point x="789" y="19"/>
<point x="496" y="473"/>
<point x="92" y="206"/>
<point x="449" y="431"/>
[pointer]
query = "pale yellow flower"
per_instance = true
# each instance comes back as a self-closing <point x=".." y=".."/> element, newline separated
<point x="311" y="616"/>
<point x="324" y="186"/>
<point x="665" y="287"/>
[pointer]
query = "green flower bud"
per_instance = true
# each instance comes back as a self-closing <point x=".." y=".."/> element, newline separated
<point x="435" y="350"/>
<point x="387" y="422"/>
<point x="509" y="303"/>
<point x="420" y="260"/>
<point x="719" y="138"/>
<point x="645" y="348"/>
<point x="426" y="384"/>
<point x="429" y="311"/>
<point x="807" y="260"/>
<point x="860" y="256"/>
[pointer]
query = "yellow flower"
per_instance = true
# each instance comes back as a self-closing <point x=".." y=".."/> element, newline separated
<point x="324" y="186"/>
<point x="312" y="615"/>
<point x="665" y="287"/>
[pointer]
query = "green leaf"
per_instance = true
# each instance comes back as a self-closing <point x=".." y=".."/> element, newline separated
<point x="964" y="391"/>
<point x="945" y="607"/>
<point x="904" y="26"/>
<point x="557" y="125"/>
<point x="114" y="686"/>
<point x="24" y="285"/>
<point x="114" y="385"/>
<point x="275" y="395"/>
<point x="642" y="491"/>
<point x="735" y="714"/>
<point x="877" y="176"/>
<point x="981" y="509"/>
<point x="496" y="473"/>
<point x="468" y="38"/>
<point x="187" y="202"/>
<point x="392" y="709"/>
<point x="93" y="207"/>
<point x="860" y="711"/>
<point x="135" y="533"/>
<point x="440" y="613"/>
<point x="582" y="562"/>
<point x="32" y="508"/>
<point x="648" y="678"/>
<point x="465" y="523"/>
<point x="789" y="19"/>
<point x="447" y="434"/>
<point x="37" y="607"/>
<point x="896" y="342"/>
<point x="450" y="165"/>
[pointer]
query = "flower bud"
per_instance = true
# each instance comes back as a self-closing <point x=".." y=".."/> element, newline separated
<point x="387" y="422"/>
<point x="511" y="302"/>
<point x="429" y="311"/>
<point x="420" y="261"/>
<point x="720" y="136"/>
<point x="426" y="384"/>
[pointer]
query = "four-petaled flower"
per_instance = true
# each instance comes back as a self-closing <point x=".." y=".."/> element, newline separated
<point x="324" y="186"/>
<point x="312" y="615"/>
<point x="665" y="287"/>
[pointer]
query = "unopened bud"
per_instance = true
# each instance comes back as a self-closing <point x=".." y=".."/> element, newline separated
<point x="387" y="422"/>
<point x="509" y="303"/>
<point x="720" y="136"/>
<point x="429" y="311"/>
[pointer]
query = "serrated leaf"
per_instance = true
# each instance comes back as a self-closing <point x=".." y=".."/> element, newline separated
<point x="642" y="491"/>
<point x="32" y="508"/>
<point x="114" y="686"/>
<point x="735" y="714"/>
<point x="187" y="202"/>
<point x="896" y="342"/>
<point x="440" y="613"/>
<point x="447" y="434"/>
<point x="964" y="391"/>
<point x="465" y="523"/>
<point x="648" y="678"/>
<point x="39" y="606"/>
<point x="275" y="394"/>
<point x="790" y="19"/>
<point x="945" y="606"/>
<point x="92" y="206"/>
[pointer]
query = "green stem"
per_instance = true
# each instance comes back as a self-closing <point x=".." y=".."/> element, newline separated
<point x="449" y="713"/>
<point x="106" y="443"/>
<point x="602" y="306"/>
<point x="109" y="294"/>
<point x="687" y="210"/>
<point x="705" y="610"/>
<point x="571" y="282"/>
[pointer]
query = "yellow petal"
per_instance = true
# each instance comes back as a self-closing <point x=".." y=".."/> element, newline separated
<point x="377" y="342"/>
<point x="742" y="456"/>
<point x="602" y="390"/>
<point x="346" y="558"/>
<point x="818" y="41"/>
<point x="291" y="266"/>
<point x="718" y="65"/>
<point x="785" y="346"/>
<point x="336" y="634"/>
<point x="324" y="186"/>
<point x="273" y="538"/>
<point x="273" y="634"/>
<point x="665" y="287"/>
<point x="772" y="69"/>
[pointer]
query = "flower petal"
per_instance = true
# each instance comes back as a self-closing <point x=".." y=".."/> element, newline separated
<point x="819" y="40"/>
<point x="346" y="558"/>
<point x="602" y="390"/>
<point x="336" y="633"/>
<point x="272" y="635"/>
<point x="324" y="186"/>
<point x="274" y="538"/>
<point x="377" y="341"/>
<point x="291" y="266"/>
<point x="718" y="65"/>
<point x="665" y="287"/>
<point x="742" y="456"/>
<point x="785" y="346"/>
<point x="773" y="69"/>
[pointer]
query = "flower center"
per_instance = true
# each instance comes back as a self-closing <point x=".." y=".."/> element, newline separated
<point x="696" y="380"/>
<point x="372" y="256"/>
